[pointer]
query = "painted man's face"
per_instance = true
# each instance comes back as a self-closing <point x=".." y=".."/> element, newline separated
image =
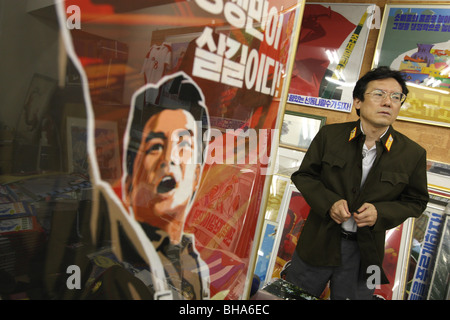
<point x="165" y="173"/>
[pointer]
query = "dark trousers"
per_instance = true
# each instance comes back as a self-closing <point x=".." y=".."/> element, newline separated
<point x="345" y="280"/>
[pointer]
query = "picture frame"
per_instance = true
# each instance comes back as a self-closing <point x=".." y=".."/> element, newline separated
<point x="332" y="42"/>
<point x="293" y="214"/>
<point x="288" y="161"/>
<point x="440" y="282"/>
<point x="414" y="40"/>
<point x="279" y="187"/>
<point x="265" y="250"/>
<point x="28" y="132"/>
<point x="438" y="177"/>
<point x="396" y="261"/>
<point x="422" y="255"/>
<point x="77" y="159"/>
<point x="299" y="129"/>
<point x="106" y="145"/>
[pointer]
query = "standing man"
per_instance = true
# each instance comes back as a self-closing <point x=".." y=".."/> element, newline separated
<point x="360" y="179"/>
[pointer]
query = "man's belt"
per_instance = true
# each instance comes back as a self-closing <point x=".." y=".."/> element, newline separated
<point x="348" y="235"/>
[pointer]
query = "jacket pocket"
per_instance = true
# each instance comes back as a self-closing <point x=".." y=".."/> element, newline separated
<point x="333" y="161"/>
<point x="394" y="178"/>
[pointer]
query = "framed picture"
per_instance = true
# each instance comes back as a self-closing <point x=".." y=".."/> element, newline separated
<point x="330" y="51"/>
<point x="426" y="235"/>
<point x="29" y="128"/>
<point x="299" y="129"/>
<point x="77" y="145"/>
<point x="279" y="187"/>
<point x="293" y="214"/>
<point x="106" y="146"/>
<point x="396" y="261"/>
<point x="414" y="40"/>
<point x="265" y="250"/>
<point x="438" y="176"/>
<point x="440" y="281"/>
<point x="288" y="161"/>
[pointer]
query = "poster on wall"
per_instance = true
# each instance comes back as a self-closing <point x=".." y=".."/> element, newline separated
<point x="299" y="129"/>
<point x="396" y="261"/>
<point x="331" y="47"/>
<point x="288" y="161"/>
<point x="265" y="250"/>
<point x="440" y="281"/>
<point x="414" y="40"/>
<point x="188" y="200"/>
<point x="423" y="252"/>
<point x="293" y="214"/>
<point x="34" y="116"/>
<point x="294" y="211"/>
<point x="279" y="189"/>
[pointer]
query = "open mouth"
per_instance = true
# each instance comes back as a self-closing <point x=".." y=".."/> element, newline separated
<point x="167" y="184"/>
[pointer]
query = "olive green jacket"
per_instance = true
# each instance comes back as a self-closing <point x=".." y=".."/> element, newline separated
<point x="331" y="170"/>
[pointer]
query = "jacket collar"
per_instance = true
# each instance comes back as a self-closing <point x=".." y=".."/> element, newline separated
<point x="355" y="131"/>
<point x="387" y="140"/>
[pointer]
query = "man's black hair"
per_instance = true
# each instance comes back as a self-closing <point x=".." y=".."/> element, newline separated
<point x="379" y="73"/>
<point x="176" y="93"/>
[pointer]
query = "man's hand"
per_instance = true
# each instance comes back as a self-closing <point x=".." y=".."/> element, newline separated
<point x="366" y="215"/>
<point x="339" y="211"/>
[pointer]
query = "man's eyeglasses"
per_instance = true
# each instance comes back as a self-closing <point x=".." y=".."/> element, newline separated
<point x="379" y="95"/>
